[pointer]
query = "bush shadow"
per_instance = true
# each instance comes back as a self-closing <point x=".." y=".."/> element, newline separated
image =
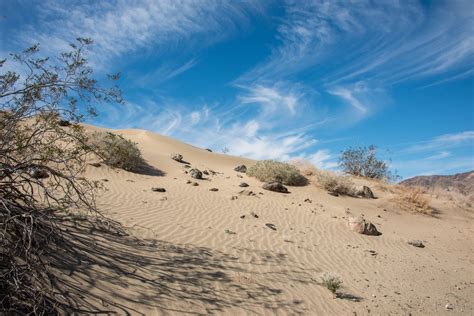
<point x="98" y="267"/>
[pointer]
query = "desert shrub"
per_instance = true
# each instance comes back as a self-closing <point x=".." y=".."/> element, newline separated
<point x="41" y="164"/>
<point x="331" y="281"/>
<point x="362" y="161"/>
<point x="413" y="199"/>
<point x="305" y="167"/>
<point x="270" y="170"/>
<point x="117" y="151"/>
<point x="335" y="183"/>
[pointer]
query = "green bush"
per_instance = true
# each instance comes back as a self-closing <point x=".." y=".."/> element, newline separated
<point x="270" y="171"/>
<point x="116" y="151"/>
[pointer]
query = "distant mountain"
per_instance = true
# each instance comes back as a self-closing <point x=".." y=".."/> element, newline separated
<point x="461" y="182"/>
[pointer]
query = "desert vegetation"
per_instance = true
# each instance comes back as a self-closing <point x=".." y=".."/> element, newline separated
<point x="336" y="183"/>
<point x="412" y="199"/>
<point x="117" y="151"/>
<point x="363" y="161"/>
<point x="41" y="165"/>
<point x="331" y="281"/>
<point x="275" y="171"/>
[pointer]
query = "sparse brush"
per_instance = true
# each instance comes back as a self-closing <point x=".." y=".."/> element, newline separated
<point x="335" y="183"/>
<point x="305" y="167"/>
<point x="413" y="199"/>
<point x="270" y="170"/>
<point x="116" y="151"/>
<point x="331" y="281"/>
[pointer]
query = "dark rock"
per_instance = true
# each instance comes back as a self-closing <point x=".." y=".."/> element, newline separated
<point x="187" y="166"/>
<point x="195" y="184"/>
<point x="416" y="243"/>
<point x="275" y="187"/>
<point x="64" y="123"/>
<point x="38" y="173"/>
<point x="242" y="216"/>
<point x="241" y="168"/>
<point x="96" y="164"/>
<point x="247" y="192"/>
<point x="333" y="193"/>
<point x="209" y="150"/>
<point x="366" y="192"/>
<point x="253" y="214"/>
<point x="177" y="157"/>
<point x="243" y="185"/>
<point x="205" y="172"/>
<point x="195" y="173"/>
<point x="271" y="226"/>
<point x="158" y="189"/>
<point x="308" y="201"/>
<point x="214" y="189"/>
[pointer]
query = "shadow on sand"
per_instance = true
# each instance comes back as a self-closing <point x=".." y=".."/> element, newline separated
<point x="101" y="269"/>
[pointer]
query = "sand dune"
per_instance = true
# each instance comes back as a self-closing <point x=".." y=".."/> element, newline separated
<point x="207" y="259"/>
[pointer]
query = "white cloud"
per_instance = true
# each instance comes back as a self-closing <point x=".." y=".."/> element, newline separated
<point x="322" y="159"/>
<point x="443" y="142"/>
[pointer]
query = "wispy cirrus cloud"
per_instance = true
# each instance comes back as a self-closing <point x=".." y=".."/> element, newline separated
<point x="122" y="27"/>
<point x="443" y="142"/>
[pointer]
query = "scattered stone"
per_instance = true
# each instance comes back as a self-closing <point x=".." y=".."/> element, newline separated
<point x="64" y="123"/>
<point x="38" y="173"/>
<point x="416" y="243"/>
<point x="214" y="189"/>
<point x="373" y="253"/>
<point x="188" y="181"/>
<point x="242" y="216"/>
<point x="187" y="166"/>
<point x="253" y="214"/>
<point x="361" y="226"/>
<point x="333" y="193"/>
<point x="105" y="180"/>
<point x="234" y="197"/>
<point x="275" y="187"/>
<point x="205" y="172"/>
<point x="195" y="184"/>
<point x="228" y="231"/>
<point x="239" y="176"/>
<point x="129" y="180"/>
<point x="177" y="157"/>
<point x="241" y="168"/>
<point x="209" y="150"/>
<point x="366" y="192"/>
<point x="247" y="192"/>
<point x="449" y="307"/>
<point x="243" y="185"/>
<point x="308" y="201"/>
<point x="271" y="226"/>
<point x="158" y="189"/>
<point x="195" y="173"/>
<point x="96" y="164"/>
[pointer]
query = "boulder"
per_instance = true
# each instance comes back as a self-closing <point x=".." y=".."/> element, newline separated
<point x="241" y="168"/>
<point x="366" y="192"/>
<point x="38" y="173"/>
<point x="177" y="157"/>
<point x="195" y="173"/>
<point x="416" y="243"/>
<point x="360" y="225"/>
<point x="275" y="187"/>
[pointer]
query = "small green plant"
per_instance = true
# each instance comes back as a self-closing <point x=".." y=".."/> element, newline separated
<point x="270" y="171"/>
<point x="331" y="281"/>
<point x="116" y="151"/>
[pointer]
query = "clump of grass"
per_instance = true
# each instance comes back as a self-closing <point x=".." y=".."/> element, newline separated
<point x="413" y="199"/>
<point x="116" y="151"/>
<point x="332" y="182"/>
<point x="270" y="171"/>
<point x="331" y="281"/>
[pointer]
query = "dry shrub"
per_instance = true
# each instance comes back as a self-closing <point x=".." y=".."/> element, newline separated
<point x="116" y="151"/>
<point x="270" y="170"/>
<point x="331" y="281"/>
<point x="305" y="167"/>
<point x="413" y="199"/>
<point x="332" y="182"/>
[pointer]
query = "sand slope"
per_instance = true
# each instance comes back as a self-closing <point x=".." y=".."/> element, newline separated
<point x="197" y="266"/>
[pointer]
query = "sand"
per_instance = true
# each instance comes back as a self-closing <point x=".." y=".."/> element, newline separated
<point x="207" y="259"/>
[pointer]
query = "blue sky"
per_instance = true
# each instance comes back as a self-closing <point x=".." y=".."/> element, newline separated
<point x="279" y="79"/>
